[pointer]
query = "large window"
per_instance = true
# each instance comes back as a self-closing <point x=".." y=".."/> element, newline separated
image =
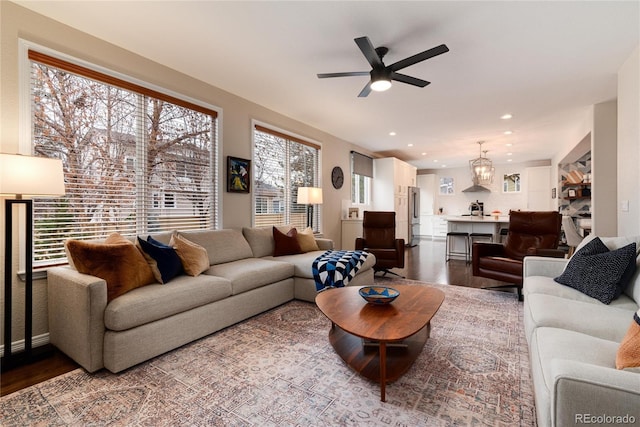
<point x="282" y="163"/>
<point x="135" y="160"/>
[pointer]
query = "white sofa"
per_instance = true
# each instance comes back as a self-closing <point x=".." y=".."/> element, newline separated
<point x="244" y="279"/>
<point x="573" y="340"/>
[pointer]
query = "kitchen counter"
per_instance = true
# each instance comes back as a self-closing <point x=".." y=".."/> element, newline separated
<point x="475" y="219"/>
<point x="477" y="224"/>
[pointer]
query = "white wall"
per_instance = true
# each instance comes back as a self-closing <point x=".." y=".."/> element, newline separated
<point x="458" y="203"/>
<point x="603" y="161"/>
<point x="628" y="158"/>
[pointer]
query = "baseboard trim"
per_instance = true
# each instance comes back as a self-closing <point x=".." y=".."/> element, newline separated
<point x="18" y="346"/>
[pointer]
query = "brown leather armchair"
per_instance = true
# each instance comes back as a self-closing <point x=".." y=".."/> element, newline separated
<point x="379" y="238"/>
<point x="530" y="233"/>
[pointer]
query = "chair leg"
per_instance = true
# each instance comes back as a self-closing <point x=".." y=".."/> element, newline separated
<point x="385" y="271"/>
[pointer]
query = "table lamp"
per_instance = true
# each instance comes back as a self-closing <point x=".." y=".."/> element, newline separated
<point x="309" y="196"/>
<point x="24" y="176"/>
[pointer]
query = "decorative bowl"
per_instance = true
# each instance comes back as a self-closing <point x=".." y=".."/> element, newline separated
<point x="378" y="294"/>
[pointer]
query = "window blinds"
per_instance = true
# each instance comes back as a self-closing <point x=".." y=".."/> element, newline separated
<point x="135" y="161"/>
<point x="362" y="165"/>
<point x="282" y="163"/>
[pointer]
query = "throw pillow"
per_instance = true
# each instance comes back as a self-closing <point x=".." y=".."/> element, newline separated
<point x="628" y="355"/>
<point x="307" y="240"/>
<point x="163" y="259"/>
<point x="117" y="260"/>
<point x="194" y="258"/>
<point x="286" y="244"/>
<point x="598" y="272"/>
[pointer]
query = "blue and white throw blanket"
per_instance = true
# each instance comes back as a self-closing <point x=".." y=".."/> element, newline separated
<point x="334" y="269"/>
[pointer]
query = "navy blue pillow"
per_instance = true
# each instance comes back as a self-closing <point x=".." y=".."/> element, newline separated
<point x="168" y="264"/>
<point x="598" y="272"/>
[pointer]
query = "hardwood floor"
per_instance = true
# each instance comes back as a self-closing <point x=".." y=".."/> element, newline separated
<point x="425" y="262"/>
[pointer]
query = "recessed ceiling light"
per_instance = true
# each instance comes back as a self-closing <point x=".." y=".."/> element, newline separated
<point x="435" y="160"/>
<point x="506" y="116"/>
<point x="424" y="154"/>
<point x="508" y="144"/>
<point x="508" y="132"/>
<point x="508" y="160"/>
<point x="509" y="154"/>
<point x="444" y="166"/>
<point x="409" y="145"/>
<point x="392" y="133"/>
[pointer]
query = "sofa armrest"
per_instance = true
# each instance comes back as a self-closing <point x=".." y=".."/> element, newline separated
<point x="324" y="244"/>
<point x="581" y="391"/>
<point x="76" y="304"/>
<point x="543" y="266"/>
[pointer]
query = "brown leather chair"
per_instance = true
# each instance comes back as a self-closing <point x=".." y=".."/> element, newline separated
<point x="530" y="233"/>
<point x="379" y="238"/>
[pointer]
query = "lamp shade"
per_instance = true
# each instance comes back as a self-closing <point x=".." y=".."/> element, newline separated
<point x="309" y="196"/>
<point x="22" y="175"/>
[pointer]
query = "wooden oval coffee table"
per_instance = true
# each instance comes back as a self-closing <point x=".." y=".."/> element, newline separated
<point x="380" y="342"/>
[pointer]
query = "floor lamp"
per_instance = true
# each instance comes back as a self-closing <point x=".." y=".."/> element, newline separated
<point x="309" y="196"/>
<point x="23" y="176"/>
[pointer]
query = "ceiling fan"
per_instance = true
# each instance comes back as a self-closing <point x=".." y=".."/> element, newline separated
<point x="382" y="75"/>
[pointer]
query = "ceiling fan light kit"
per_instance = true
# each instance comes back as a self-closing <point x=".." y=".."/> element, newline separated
<point x="382" y="75"/>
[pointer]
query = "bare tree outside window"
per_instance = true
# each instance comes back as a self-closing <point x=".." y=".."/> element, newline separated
<point x="121" y="151"/>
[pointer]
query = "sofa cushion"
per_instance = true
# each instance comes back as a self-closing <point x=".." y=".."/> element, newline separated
<point x="303" y="263"/>
<point x="628" y="355"/>
<point x="118" y="261"/>
<point x="261" y="239"/>
<point x="194" y="257"/>
<point x="163" y="259"/>
<point x="251" y="273"/>
<point x="599" y="272"/>
<point x="154" y="302"/>
<point x="547" y="286"/>
<point x="222" y="245"/>
<point x="286" y="243"/>
<point x="307" y="240"/>
<point x="596" y="319"/>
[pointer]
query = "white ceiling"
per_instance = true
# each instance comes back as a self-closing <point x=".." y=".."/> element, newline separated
<point x="546" y="62"/>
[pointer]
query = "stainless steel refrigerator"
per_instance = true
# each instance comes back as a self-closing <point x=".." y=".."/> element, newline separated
<point x="414" y="216"/>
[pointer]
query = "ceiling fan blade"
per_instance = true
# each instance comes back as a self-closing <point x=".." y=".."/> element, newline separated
<point x="349" y="74"/>
<point x="409" y="80"/>
<point x="369" y="52"/>
<point x="419" y="57"/>
<point x="365" y="91"/>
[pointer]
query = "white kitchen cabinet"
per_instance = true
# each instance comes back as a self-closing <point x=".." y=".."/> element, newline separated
<point x="439" y="227"/>
<point x="351" y="229"/>
<point x="391" y="181"/>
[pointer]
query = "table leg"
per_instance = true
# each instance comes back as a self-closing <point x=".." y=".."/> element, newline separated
<point x="383" y="370"/>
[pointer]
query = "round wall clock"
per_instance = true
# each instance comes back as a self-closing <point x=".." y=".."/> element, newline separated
<point x="337" y="177"/>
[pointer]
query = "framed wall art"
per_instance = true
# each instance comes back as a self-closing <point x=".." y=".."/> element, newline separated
<point x="238" y="175"/>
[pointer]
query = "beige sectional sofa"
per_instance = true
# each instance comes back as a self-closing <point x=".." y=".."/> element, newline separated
<point x="573" y="342"/>
<point x="243" y="280"/>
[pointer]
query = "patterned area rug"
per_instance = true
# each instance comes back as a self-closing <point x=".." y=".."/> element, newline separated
<point x="278" y="369"/>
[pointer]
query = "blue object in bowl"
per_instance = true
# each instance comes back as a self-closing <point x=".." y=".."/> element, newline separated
<point x="378" y="294"/>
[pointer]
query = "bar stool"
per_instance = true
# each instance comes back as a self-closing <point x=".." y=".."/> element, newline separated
<point x="503" y="234"/>
<point x="451" y="235"/>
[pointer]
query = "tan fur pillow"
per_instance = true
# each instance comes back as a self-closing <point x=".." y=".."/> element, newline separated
<point x="628" y="355"/>
<point x="307" y="240"/>
<point x="194" y="257"/>
<point x="118" y="261"/>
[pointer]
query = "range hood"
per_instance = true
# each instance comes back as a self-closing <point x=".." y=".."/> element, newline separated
<point x="476" y="189"/>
